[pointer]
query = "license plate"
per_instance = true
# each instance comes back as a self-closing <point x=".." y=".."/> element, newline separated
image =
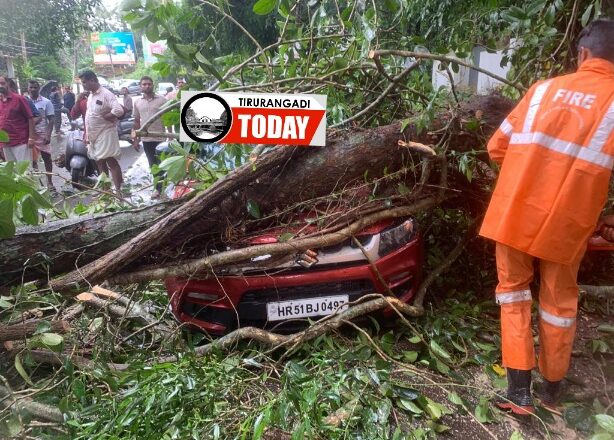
<point x="303" y="308"/>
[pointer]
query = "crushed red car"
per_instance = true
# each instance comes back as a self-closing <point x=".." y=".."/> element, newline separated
<point x="314" y="283"/>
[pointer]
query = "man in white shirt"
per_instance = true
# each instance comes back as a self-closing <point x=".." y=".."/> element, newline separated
<point x="103" y="112"/>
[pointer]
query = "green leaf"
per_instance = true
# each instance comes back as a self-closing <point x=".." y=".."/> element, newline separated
<point x="410" y="406"/>
<point x="516" y="435"/>
<point x="5" y="304"/>
<point x="186" y="50"/>
<point x="153" y="32"/>
<point x="51" y="339"/>
<point x="441" y="367"/>
<point x="415" y="339"/>
<point x="406" y="392"/>
<point x="253" y="209"/>
<point x="586" y="16"/>
<point x="170" y="118"/>
<point x="602" y="436"/>
<point x="175" y="167"/>
<point x="29" y="212"/>
<point x="387" y="343"/>
<point x="42" y="327"/>
<point x="606" y="328"/>
<point x="578" y="417"/>
<point x="264" y="7"/>
<point x="14" y="425"/>
<point x="606" y="422"/>
<point x="208" y="66"/>
<point x="7" y="226"/>
<point x="433" y="409"/>
<point x="8" y="184"/>
<point x="391" y="5"/>
<point x="286" y="236"/>
<point x="482" y="411"/>
<point x="410" y="356"/>
<point x="455" y="398"/>
<point x="78" y="388"/>
<point x="22" y="371"/>
<point x="4" y="137"/>
<point x="260" y="424"/>
<point x="438" y="427"/>
<point x="22" y="166"/>
<point x="440" y="351"/>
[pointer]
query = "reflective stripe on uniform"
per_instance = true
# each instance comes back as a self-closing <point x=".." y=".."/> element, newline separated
<point x="564" y="147"/>
<point x="604" y="130"/>
<point x="512" y="297"/>
<point x="506" y="127"/>
<point x="536" y="100"/>
<point x="557" y="321"/>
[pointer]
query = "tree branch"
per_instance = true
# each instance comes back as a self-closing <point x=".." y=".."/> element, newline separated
<point x="205" y="265"/>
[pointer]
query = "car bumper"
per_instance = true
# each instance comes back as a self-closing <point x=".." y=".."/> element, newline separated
<point x="241" y="300"/>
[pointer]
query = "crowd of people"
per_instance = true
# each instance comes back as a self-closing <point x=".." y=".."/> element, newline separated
<point x="31" y="119"/>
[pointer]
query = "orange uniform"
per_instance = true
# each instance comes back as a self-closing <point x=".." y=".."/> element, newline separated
<point x="557" y="152"/>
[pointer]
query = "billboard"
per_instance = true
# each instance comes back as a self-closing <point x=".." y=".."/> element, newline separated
<point x="113" y="48"/>
<point x="151" y="49"/>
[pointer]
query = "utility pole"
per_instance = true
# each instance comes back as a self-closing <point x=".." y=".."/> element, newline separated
<point x="24" y="52"/>
<point x="109" y="49"/>
<point x="74" y="63"/>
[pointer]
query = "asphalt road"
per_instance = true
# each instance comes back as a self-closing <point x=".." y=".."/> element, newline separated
<point x="135" y="169"/>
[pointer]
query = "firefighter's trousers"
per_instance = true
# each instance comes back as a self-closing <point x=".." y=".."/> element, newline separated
<point x="558" y="304"/>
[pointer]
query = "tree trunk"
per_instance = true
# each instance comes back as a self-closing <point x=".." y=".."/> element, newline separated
<point x="56" y="247"/>
<point x="22" y="331"/>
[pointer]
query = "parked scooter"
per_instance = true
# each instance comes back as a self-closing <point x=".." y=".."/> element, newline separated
<point x="77" y="161"/>
<point x="124" y="129"/>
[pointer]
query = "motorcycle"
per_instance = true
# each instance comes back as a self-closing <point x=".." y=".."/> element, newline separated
<point x="77" y="161"/>
<point x="124" y="129"/>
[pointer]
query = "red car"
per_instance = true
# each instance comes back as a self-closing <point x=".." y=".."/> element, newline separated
<point x="314" y="283"/>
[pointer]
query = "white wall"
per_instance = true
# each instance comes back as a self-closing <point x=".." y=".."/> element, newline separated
<point x="492" y="63"/>
<point x="472" y="79"/>
<point x="441" y="78"/>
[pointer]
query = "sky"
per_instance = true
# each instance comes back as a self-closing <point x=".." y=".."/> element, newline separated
<point x="110" y="4"/>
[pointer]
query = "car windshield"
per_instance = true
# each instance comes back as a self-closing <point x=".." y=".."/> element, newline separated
<point x="129" y="84"/>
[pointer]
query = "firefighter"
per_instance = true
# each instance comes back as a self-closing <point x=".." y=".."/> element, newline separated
<point x="556" y="151"/>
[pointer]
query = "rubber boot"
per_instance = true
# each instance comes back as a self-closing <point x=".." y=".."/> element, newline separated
<point x="518" y="398"/>
<point x="549" y="393"/>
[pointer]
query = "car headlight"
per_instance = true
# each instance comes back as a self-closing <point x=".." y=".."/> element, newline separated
<point x="394" y="237"/>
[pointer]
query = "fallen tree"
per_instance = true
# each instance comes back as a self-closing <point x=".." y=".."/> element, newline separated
<point x="353" y="166"/>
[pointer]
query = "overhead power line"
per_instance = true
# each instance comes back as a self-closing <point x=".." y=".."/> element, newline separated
<point x="19" y="48"/>
<point x="19" y="39"/>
